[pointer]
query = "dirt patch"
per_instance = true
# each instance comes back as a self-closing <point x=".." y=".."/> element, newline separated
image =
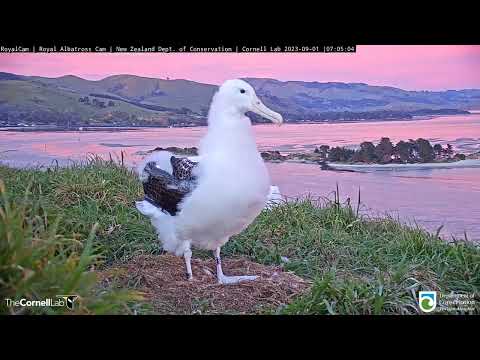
<point x="163" y="280"/>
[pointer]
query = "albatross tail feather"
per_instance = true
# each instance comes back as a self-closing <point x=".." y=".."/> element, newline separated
<point x="164" y="224"/>
<point x="148" y="209"/>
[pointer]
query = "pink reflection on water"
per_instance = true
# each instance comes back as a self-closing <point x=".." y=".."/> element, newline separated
<point x="441" y="129"/>
<point x="432" y="197"/>
<point x="429" y="198"/>
<point x="461" y="131"/>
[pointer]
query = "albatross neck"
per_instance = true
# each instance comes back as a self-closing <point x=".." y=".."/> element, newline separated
<point x="229" y="129"/>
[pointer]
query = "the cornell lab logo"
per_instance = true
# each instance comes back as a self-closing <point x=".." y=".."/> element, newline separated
<point x="427" y="300"/>
<point x="69" y="300"/>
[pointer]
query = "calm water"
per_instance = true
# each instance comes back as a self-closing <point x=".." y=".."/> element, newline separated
<point x="429" y="197"/>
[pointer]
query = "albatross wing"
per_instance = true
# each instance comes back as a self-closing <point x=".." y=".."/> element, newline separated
<point x="165" y="190"/>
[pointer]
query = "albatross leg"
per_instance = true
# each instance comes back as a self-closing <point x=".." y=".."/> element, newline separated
<point x="226" y="280"/>
<point x="188" y="263"/>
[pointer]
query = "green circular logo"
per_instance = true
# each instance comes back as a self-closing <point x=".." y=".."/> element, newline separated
<point x="427" y="300"/>
<point x="427" y="304"/>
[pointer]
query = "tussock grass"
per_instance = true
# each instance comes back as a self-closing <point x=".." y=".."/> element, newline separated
<point x="83" y="194"/>
<point x="38" y="261"/>
<point x="358" y="265"/>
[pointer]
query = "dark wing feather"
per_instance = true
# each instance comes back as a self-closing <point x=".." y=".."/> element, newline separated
<point x="165" y="190"/>
<point x="182" y="168"/>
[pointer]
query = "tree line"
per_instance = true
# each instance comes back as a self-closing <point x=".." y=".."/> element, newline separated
<point x="95" y="102"/>
<point x="385" y="152"/>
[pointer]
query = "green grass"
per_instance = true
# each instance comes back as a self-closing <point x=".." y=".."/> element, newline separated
<point x="358" y="265"/>
<point x="39" y="261"/>
<point x="32" y="96"/>
<point x="84" y="194"/>
<point x="71" y="218"/>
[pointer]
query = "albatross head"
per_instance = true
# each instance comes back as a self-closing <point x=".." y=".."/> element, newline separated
<point x="239" y="95"/>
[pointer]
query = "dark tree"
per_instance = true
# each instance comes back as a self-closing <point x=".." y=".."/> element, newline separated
<point x="438" y="149"/>
<point x="348" y="154"/>
<point x="367" y="151"/>
<point x="357" y="157"/>
<point x="322" y="151"/>
<point x="111" y="103"/>
<point x="404" y="150"/>
<point x="324" y="148"/>
<point x="414" y="149"/>
<point x="384" y="150"/>
<point x="425" y="150"/>
<point x="340" y="154"/>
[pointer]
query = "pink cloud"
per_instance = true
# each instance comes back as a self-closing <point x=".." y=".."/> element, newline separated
<point x="410" y="67"/>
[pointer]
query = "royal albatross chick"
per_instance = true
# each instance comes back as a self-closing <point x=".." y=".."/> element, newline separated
<point x="203" y="201"/>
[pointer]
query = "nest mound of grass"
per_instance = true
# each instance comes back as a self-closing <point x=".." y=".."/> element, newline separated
<point x="163" y="281"/>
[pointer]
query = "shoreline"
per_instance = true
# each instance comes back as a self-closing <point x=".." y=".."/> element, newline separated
<point x="469" y="163"/>
<point x="80" y="128"/>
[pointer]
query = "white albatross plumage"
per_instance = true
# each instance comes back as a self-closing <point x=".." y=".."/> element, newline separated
<point x="232" y="186"/>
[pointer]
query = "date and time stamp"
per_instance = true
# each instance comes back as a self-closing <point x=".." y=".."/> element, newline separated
<point x="295" y="48"/>
<point x="151" y="48"/>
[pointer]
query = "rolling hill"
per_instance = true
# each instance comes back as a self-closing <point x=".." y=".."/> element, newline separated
<point x="298" y="99"/>
<point x="134" y="100"/>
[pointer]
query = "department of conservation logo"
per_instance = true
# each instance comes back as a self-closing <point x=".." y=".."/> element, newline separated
<point x="427" y="301"/>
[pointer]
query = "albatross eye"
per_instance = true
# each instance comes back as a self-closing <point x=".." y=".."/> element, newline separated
<point x="242" y="91"/>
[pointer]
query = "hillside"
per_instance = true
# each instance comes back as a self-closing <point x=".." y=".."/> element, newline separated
<point x="298" y="99"/>
<point x="32" y="102"/>
<point x="134" y="100"/>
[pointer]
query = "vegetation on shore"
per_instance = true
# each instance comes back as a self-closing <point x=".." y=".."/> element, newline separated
<point x="385" y="152"/>
<point x="59" y="226"/>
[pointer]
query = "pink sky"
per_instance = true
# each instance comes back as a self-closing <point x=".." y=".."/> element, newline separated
<point x="415" y="67"/>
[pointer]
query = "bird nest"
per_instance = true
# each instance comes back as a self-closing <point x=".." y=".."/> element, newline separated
<point x="163" y="281"/>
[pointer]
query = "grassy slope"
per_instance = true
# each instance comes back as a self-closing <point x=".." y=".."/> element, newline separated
<point x="31" y="95"/>
<point x="53" y="231"/>
<point x="176" y="93"/>
<point x="359" y="266"/>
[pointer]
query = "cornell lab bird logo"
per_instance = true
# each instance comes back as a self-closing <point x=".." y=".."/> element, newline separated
<point x="69" y="300"/>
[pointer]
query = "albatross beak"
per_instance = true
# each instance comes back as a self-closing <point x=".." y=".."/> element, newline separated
<point x="260" y="109"/>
